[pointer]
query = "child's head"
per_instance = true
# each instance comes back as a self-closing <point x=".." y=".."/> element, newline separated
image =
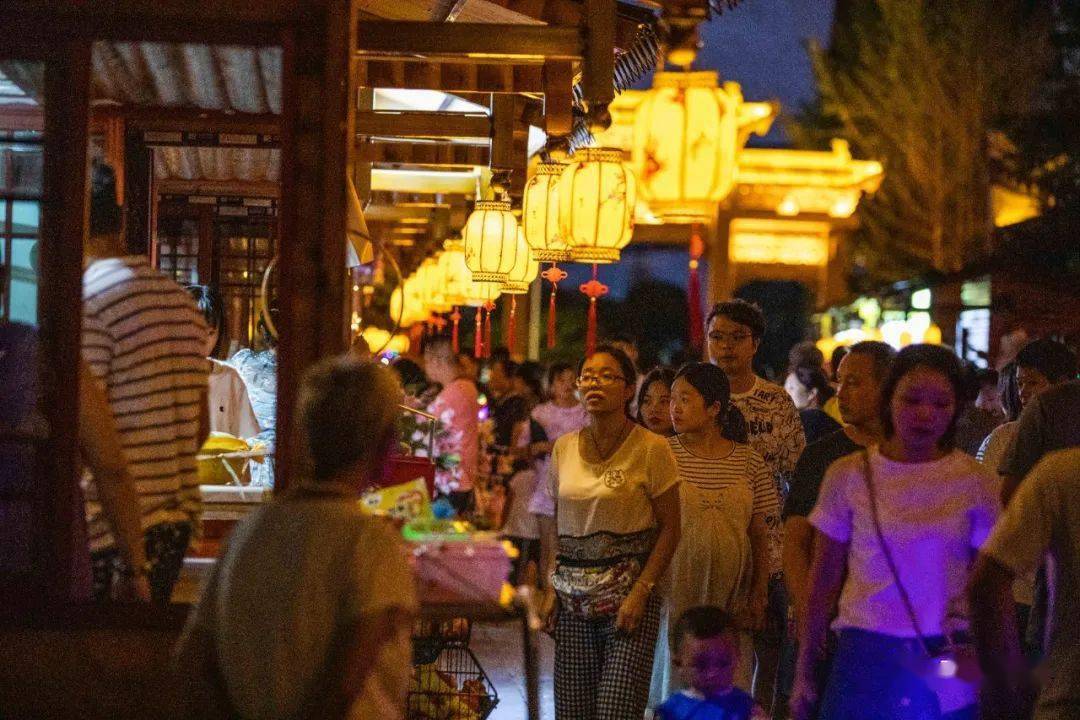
<point x="706" y="649"/>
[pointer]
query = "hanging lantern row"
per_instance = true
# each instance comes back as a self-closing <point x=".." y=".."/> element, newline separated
<point x="582" y="211"/>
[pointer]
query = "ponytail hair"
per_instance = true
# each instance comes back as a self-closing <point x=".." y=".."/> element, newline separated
<point x="711" y="382"/>
<point x="733" y="425"/>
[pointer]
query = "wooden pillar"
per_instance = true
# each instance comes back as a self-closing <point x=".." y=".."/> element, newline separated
<point x="315" y="150"/>
<point x="138" y="175"/>
<point x="721" y="272"/>
<point x="63" y="224"/>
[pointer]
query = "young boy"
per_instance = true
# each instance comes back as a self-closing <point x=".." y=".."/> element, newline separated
<point x="706" y="654"/>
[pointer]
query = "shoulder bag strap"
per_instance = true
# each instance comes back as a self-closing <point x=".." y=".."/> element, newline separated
<point x="904" y="597"/>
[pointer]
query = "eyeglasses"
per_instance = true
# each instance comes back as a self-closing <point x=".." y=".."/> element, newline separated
<point x="733" y="338"/>
<point x="604" y="378"/>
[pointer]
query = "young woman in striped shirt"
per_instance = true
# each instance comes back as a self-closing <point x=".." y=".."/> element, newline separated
<point x="728" y="498"/>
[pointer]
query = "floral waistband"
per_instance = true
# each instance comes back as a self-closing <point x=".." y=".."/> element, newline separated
<point x="605" y="548"/>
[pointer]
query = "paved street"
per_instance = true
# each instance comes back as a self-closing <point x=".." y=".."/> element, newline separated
<point x="498" y="648"/>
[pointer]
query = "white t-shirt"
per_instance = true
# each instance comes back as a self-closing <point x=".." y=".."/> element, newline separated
<point x="230" y="406"/>
<point x="613" y="496"/>
<point x="934" y="515"/>
<point x="294" y="577"/>
<point x="1043" y="516"/>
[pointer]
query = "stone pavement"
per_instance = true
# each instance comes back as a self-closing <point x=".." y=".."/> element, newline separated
<point x="498" y="649"/>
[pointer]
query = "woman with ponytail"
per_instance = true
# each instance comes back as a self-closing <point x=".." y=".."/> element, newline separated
<point x="728" y="501"/>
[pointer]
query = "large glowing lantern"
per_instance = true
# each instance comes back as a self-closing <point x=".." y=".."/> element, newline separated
<point x="490" y="236"/>
<point x="481" y="294"/>
<point x="540" y="214"/>
<point x="597" y="192"/>
<point x="686" y="135"/>
<point x="405" y="302"/>
<point x="455" y="273"/>
<point x="433" y="286"/>
<point x="525" y="270"/>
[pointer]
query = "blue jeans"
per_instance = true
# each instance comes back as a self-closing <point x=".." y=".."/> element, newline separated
<point x="873" y="677"/>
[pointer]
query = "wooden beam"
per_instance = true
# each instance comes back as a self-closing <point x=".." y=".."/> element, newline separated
<point x="599" y="61"/>
<point x="558" y="97"/>
<point x="63" y="218"/>
<point x="315" y="152"/>
<point x="206" y="21"/>
<point x="448" y="76"/>
<point x="138" y="173"/>
<point x="188" y="120"/>
<point x="429" y="153"/>
<point x="482" y="41"/>
<point x="387" y="123"/>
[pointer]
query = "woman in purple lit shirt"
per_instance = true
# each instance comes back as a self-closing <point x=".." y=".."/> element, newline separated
<point x="934" y="506"/>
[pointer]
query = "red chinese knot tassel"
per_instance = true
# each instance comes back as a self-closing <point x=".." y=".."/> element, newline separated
<point x="594" y="290"/>
<point x="693" y="291"/>
<point x="478" y="339"/>
<point x="511" y="324"/>
<point x="487" y="329"/>
<point x="456" y="318"/>
<point x="553" y="275"/>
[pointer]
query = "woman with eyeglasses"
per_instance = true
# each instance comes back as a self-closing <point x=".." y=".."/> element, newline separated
<point x="728" y="499"/>
<point x="616" y="527"/>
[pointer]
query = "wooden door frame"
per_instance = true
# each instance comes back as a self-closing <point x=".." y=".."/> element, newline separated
<point x="318" y="37"/>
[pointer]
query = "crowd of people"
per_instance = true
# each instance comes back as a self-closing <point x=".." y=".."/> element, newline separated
<point x="824" y="532"/>
<point x="889" y="536"/>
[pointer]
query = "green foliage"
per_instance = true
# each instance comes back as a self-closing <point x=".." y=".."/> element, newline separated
<point x="921" y="86"/>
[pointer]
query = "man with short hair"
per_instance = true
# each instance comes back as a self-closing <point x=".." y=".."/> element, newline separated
<point x="733" y="333"/>
<point x="1044" y="516"/>
<point x="861" y="373"/>
<point x="1046" y="378"/>
<point x="143" y="337"/>
<point x="457" y="406"/>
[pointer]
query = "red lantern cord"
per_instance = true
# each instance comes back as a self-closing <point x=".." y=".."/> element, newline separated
<point x="511" y="324"/>
<point x="456" y="318"/>
<point x="594" y="289"/>
<point x="478" y="339"/>
<point x="693" y="290"/>
<point x="487" y="329"/>
<point x="553" y="275"/>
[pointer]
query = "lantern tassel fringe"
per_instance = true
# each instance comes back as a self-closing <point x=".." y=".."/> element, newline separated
<point x="478" y="339"/>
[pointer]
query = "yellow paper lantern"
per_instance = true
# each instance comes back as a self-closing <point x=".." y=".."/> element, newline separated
<point x="490" y="236"/>
<point x="479" y="294"/>
<point x="540" y="214"/>
<point x="405" y="302"/>
<point x="597" y="193"/>
<point x="455" y="273"/>
<point x="686" y="136"/>
<point x="433" y="286"/>
<point x="525" y="269"/>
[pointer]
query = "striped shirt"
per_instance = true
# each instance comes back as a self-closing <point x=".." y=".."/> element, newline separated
<point x="143" y="336"/>
<point x="742" y="466"/>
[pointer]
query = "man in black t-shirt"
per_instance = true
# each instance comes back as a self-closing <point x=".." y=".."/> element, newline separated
<point x="861" y="374"/>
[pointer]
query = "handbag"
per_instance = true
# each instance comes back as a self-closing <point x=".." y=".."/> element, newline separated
<point x="957" y="658"/>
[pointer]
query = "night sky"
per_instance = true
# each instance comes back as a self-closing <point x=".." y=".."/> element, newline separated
<point x="762" y="45"/>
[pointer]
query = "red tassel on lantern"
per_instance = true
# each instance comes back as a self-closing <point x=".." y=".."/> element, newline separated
<point x="511" y="324"/>
<point x="487" y="329"/>
<point x="553" y="275"/>
<point x="594" y="289"/>
<point x="456" y="318"/>
<point x="478" y="339"/>
<point x="693" y="290"/>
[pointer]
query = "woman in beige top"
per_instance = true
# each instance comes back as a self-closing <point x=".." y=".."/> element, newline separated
<point x="617" y="519"/>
